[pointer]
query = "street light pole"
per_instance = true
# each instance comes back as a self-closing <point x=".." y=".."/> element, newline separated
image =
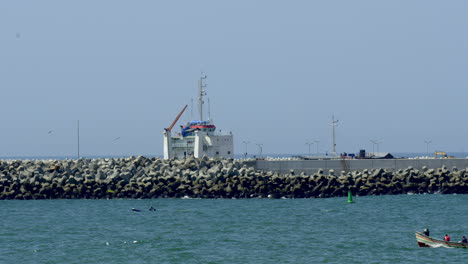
<point x="78" y="138"/>
<point x="333" y="123"/>
<point x="260" y="149"/>
<point x="373" y="146"/>
<point x="309" y="143"/>
<point x="427" y="146"/>
<point x="375" y="142"/>
<point x="245" y="143"/>
<point x="317" y="146"/>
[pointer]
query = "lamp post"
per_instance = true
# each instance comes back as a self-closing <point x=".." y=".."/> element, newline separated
<point x="427" y="146"/>
<point x="376" y="142"/>
<point x="78" y="138"/>
<point x="317" y="145"/>
<point x="333" y="124"/>
<point x="260" y="149"/>
<point x="373" y="146"/>
<point x="245" y="143"/>
<point x="309" y="143"/>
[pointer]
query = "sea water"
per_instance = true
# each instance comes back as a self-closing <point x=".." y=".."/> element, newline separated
<point x="374" y="229"/>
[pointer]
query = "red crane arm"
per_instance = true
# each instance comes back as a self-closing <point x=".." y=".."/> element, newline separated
<point x="177" y="119"/>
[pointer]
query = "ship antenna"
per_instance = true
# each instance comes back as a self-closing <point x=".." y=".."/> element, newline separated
<point x="201" y="93"/>
<point x="209" y="110"/>
<point x="191" y="109"/>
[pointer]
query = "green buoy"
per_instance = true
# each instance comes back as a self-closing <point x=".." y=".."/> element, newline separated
<point x="350" y="197"/>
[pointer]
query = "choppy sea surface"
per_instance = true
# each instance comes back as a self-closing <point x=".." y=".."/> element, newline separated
<point x="374" y="229"/>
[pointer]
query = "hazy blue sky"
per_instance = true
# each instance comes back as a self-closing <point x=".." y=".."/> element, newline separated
<point x="395" y="71"/>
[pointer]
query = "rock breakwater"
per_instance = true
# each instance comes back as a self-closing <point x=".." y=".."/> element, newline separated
<point x="141" y="177"/>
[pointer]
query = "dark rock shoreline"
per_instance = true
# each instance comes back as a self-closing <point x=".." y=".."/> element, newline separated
<point x="140" y="177"/>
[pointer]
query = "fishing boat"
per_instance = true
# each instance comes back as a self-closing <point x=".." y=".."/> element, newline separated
<point x="427" y="241"/>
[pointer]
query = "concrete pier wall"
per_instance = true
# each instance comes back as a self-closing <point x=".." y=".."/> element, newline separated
<point x="311" y="166"/>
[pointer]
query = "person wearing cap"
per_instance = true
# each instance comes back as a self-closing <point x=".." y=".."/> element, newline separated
<point x="426" y="232"/>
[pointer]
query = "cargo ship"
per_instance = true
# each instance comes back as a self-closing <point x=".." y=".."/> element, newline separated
<point x="198" y="138"/>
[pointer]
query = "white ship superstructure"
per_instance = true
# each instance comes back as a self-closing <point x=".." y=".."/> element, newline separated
<point x="198" y="138"/>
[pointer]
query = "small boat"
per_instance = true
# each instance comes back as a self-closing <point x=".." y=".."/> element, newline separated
<point x="427" y="241"/>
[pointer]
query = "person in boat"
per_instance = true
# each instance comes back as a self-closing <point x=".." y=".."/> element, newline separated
<point x="426" y="232"/>
<point x="464" y="240"/>
<point x="447" y="238"/>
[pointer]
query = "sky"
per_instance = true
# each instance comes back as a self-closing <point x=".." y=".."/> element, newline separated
<point x="390" y="71"/>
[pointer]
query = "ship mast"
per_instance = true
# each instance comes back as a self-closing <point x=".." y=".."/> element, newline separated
<point x="209" y="110"/>
<point x="201" y="93"/>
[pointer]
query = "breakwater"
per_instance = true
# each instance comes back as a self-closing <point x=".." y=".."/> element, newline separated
<point x="140" y="177"/>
